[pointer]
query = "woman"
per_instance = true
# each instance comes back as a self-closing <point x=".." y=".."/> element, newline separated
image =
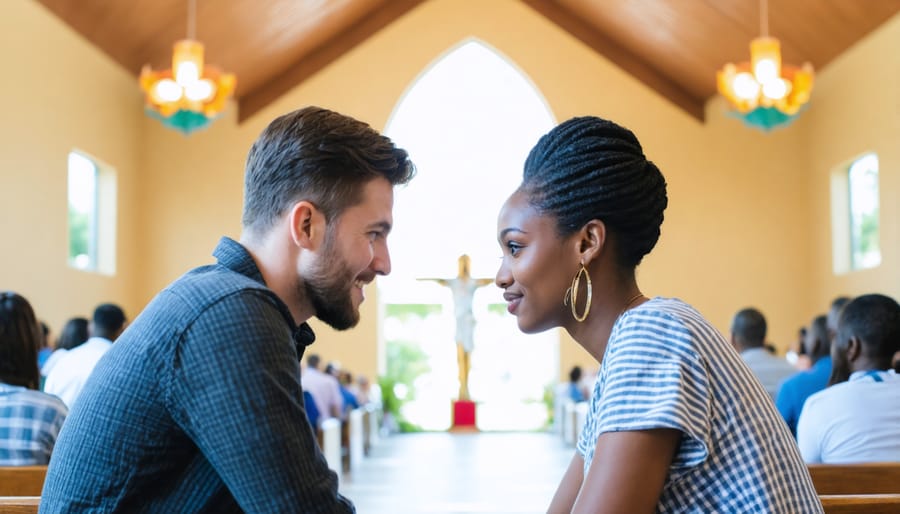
<point x="677" y="422"/>
<point x="74" y="333"/>
<point x="29" y="419"/>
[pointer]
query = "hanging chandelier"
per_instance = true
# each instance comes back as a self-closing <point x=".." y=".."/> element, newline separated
<point x="190" y="95"/>
<point x="764" y="92"/>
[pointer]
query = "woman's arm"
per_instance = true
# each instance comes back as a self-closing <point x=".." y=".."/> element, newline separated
<point x="567" y="491"/>
<point x="628" y="471"/>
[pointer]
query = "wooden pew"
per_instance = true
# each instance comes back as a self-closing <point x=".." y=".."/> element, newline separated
<point x="373" y="427"/>
<point x="19" y="504"/>
<point x="856" y="479"/>
<point x="356" y="427"/>
<point x="331" y="444"/>
<point x="22" y="480"/>
<point x="861" y="503"/>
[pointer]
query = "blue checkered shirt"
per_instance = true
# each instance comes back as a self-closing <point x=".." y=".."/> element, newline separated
<point x="667" y="367"/>
<point x="29" y="423"/>
<point x="197" y="407"/>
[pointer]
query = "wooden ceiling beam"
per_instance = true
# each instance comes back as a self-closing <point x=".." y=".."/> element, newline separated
<point x="323" y="55"/>
<point x="589" y="35"/>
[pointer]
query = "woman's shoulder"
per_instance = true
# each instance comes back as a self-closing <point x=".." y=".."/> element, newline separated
<point x="37" y="399"/>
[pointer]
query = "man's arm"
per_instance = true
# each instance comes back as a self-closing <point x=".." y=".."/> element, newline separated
<point x="235" y="390"/>
<point x="809" y="432"/>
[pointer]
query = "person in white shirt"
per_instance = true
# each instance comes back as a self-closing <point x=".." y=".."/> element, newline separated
<point x="324" y="388"/>
<point x="857" y="419"/>
<point x="70" y="373"/>
<point x="748" y="336"/>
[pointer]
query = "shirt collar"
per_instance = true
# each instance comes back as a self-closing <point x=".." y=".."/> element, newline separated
<point x="884" y="374"/>
<point x="235" y="257"/>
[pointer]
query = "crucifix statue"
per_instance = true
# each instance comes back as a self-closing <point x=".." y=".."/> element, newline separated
<point x="463" y="288"/>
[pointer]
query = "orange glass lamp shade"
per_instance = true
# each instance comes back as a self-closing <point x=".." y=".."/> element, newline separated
<point x="190" y="95"/>
<point x="764" y="92"/>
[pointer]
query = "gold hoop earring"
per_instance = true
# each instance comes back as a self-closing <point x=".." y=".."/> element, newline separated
<point x="572" y="292"/>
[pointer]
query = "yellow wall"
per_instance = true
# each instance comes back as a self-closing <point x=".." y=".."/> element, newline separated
<point x="733" y="191"/>
<point x="856" y="109"/>
<point x="747" y="221"/>
<point x="61" y="94"/>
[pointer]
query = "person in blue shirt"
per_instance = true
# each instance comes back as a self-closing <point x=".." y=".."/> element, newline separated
<point x="794" y="391"/>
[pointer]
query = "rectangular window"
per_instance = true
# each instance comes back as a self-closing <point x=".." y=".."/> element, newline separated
<point x="862" y="178"/>
<point x="854" y="215"/>
<point x="92" y="215"/>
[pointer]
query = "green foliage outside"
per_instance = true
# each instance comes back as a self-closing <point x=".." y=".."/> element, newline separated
<point x="868" y="233"/>
<point x="79" y="230"/>
<point x="405" y="363"/>
<point x="497" y="308"/>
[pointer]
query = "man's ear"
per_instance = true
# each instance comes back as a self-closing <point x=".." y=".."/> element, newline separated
<point x="307" y="225"/>
<point x="592" y="241"/>
<point x="854" y="349"/>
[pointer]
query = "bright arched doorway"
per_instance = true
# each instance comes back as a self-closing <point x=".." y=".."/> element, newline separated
<point x="468" y="122"/>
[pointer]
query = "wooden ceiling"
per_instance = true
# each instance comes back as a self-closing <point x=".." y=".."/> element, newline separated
<point x="673" y="46"/>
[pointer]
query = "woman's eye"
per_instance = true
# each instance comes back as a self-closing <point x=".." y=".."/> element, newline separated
<point x="513" y="248"/>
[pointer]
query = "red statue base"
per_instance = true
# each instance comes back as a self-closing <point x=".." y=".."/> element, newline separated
<point x="463" y="414"/>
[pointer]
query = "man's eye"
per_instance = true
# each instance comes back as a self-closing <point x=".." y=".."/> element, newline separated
<point x="513" y="248"/>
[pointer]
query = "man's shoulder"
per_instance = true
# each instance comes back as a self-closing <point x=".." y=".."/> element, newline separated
<point x="833" y="396"/>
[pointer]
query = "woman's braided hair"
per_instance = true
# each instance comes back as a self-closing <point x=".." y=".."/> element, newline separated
<point x="590" y="168"/>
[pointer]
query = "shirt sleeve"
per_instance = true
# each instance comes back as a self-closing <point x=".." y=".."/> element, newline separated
<point x="235" y="390"/>
<point x="655" y="379"/>
<point x="786" y="404"/>
<point x="809" y="433"/>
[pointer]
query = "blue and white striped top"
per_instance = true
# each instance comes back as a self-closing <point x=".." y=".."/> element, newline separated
<point x="666" y="367"/>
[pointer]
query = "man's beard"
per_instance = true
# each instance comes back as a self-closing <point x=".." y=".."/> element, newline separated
<point x="329" y="289"/>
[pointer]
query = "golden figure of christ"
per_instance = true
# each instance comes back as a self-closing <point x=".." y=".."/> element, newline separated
<point x="463" y="287"/>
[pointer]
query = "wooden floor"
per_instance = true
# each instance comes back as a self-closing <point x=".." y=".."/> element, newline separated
<point x="511" y="473"/>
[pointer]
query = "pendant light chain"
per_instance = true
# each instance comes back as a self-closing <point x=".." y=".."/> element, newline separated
<point x="192" y="19"/>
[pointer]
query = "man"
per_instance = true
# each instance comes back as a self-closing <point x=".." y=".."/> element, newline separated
<point x="857" y="419"/>
<point x="324" y="388"/>
<point x="817" y="345"/>
<point x="68" y="376"/>
<point x="199" y="407"/>
<point x="797" y="388"/>
<point x="748" y="336"/>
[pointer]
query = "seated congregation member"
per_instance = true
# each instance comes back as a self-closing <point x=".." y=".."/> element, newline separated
<point x="794" y="391"/>
<point x="68" y="376"/>
<point x="73" y="333"/>
<point x="29" y="419"/>
<point x="748" y="336"/>
<point x="857" y="418"/>
<point x="676" y="421"/>
<point x="198" y="407"/>
<point x="574" y="389"/>
<point x="324" y="388"/>
<point x="345" y="380"/>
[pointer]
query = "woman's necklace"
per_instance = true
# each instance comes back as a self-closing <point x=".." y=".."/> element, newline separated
<point x="629" y="302"/>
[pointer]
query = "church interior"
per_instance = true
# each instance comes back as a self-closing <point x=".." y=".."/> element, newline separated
<point x="757" y="214"/>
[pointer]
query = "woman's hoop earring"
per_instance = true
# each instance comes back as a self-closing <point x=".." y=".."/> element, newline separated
<point x="572" y="293"/>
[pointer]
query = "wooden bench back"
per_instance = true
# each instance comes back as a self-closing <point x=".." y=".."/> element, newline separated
<point x="875" y="478"/>
<point x="861" y="503"/>
<point x="22" y="480"/>
<point x="19" y="504"/>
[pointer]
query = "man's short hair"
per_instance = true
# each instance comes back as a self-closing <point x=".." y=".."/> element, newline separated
<point x="749" y="327"/>
<point x="320" y="156"/>
<point x="108" y="318"/>
<point x="313" y="361"/>
<point x="874" y="319"/>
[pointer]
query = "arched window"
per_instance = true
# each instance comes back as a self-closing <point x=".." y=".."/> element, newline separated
<point x="468" y="123"/>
